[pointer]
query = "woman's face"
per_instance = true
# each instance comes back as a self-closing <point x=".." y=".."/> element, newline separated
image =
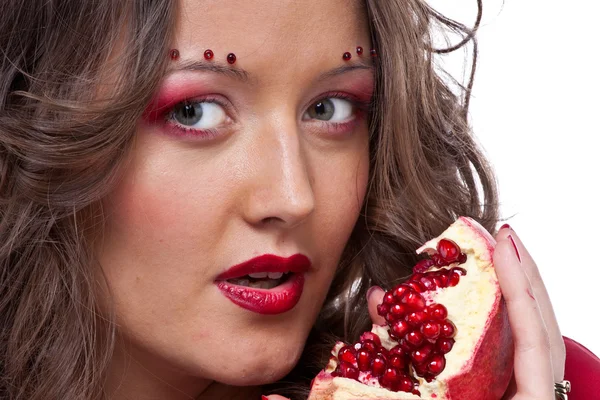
<point x="268" y="155"/>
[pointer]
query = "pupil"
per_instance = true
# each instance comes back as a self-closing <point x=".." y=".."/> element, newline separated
<point x="320" y="108"/>
<point x="323" y="110"/>
<point x="189" y="113"/>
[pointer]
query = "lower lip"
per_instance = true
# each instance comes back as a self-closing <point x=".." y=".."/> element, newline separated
<point x="266" y="301"/>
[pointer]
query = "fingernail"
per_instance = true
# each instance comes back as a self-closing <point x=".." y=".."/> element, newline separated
<point x="371" y="290"/>
<point x="515" y="246"/>
<point x="264" y="398"/>
<point x="505" y="226"/>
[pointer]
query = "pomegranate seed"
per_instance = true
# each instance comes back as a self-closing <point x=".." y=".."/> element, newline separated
<point x="416" y="286"/>
<point x="382" y="351"/>
<point x="399" y="328"/>
<point x="459" y="270"/>
<point x="416" y="318"/>
<point x="363" y="360"/>
<point x="391" y="317"/>
<point x="405" y="384"/>
<point x="398" y="310"/>
<point x="423" y="265"/>
<point x="431" y="330"/>
<point x="382" y="309"/>
<point x="415" y="338"/>
<point x="404" y="345"/>
<point x="346" y="354"/>
<point x="448" y="250"/>
<point x="453" y="279"/>
<point x="369" y="345"/>
<point x="415" y="277"/>
<point x="448" y="329"/>
<point x="389" y="378"/>
<point x="371" y="336"/>
<point x="378" y="365"/>
<point x="437" y="311"/>
<point x="414" y="300"/>
<point x="420" y="368"/>
<point x="437" y="364"/>
<point x="348" y="370"/>
<point x="397" y="351"/>
<point x="420" y="355"/>
<point x="438" y="260"/>
<point x="444" y="345"/>
<point x="398" y="362"/>
<point x="440" y="281"/>
<point x="428" y="283"/>
<point x="399" y="291"/>
<point x="388" y="298"/>
<point x="462" y="259"/>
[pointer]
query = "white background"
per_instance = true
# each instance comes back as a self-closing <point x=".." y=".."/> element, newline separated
<point x="536" y="112"/>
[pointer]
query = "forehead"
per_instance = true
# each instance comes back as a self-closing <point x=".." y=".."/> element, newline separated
<point x="284" y="32"/>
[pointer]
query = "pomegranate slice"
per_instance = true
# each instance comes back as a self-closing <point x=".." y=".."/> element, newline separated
<point x="446" y="335"/>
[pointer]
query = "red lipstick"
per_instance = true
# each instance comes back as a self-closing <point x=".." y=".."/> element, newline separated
<point x="277" y="300"/>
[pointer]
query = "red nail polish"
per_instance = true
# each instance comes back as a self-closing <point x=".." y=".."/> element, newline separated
<point x="264" y="398"/>
<point x="505" y="226"/>
<point x="515" y="246"/>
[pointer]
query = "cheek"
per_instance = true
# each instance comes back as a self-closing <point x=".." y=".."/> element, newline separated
<point x="158" y="226"/>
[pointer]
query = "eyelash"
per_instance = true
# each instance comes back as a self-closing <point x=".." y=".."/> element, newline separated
<point x="361" y="107"/>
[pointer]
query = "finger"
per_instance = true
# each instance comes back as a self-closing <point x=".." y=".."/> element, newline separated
<point x="374" y="298"/>
<point x="274" y="397"/>
<point x="533" y="362"/>
<point x="557" y="344"/>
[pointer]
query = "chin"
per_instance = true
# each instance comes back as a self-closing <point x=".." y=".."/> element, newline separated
<point x="260" y="366"/>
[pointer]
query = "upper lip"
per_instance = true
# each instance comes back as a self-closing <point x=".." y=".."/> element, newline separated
<point x="268" y="263"/>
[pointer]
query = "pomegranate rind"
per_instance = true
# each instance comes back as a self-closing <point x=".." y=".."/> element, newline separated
<point x="493" y="356"/>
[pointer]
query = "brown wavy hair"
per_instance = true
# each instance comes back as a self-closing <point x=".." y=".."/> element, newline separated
<point x="75" y="77"/>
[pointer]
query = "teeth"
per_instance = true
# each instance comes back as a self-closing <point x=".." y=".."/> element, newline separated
<point x="241" y="281"/>
<point x="264" y="284"/>
<point x="275" y="275"/>
<point x="258" y="275"/>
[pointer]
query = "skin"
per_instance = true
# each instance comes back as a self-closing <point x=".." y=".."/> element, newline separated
<point x="269" y="181"/>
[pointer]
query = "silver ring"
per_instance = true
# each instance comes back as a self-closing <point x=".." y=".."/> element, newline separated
<point x="561" y="389"/>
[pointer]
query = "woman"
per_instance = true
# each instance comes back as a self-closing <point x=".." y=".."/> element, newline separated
<point x="155" y="154"/>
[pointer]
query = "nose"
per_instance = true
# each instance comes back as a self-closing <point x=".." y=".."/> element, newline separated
<point x="279" y="183"/>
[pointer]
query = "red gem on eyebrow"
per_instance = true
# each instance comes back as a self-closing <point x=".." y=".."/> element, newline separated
<point x="359" y="50"/>
<point x="208" y="54"/>
<point x="231" y="58"/>
<point x="347" y="56"/>
<point x="373" y="53"/>
<point x="174" y="54"/>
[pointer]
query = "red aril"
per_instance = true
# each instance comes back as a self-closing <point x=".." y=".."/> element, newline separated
<point x="446" y="335"/>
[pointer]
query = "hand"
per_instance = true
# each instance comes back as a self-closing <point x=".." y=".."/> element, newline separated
<point x="539" y="346"/>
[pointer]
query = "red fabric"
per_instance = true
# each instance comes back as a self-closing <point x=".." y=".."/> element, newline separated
<point x="582" y="368"/>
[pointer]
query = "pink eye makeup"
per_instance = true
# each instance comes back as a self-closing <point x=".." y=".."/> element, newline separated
<point x="195" y="109"/>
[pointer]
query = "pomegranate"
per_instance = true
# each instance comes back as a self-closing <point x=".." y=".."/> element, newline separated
<point x="446" y="334"/>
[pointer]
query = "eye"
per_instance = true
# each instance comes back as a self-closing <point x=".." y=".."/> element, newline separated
<point x="331" y="109"/>
<point x="199" y="115"/>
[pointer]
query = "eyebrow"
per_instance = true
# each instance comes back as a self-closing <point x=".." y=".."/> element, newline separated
<point x="244" y="76"/>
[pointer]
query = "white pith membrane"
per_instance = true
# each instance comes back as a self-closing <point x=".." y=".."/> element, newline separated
<point x="261" y="280"/>
<point x="469" y="305"/>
